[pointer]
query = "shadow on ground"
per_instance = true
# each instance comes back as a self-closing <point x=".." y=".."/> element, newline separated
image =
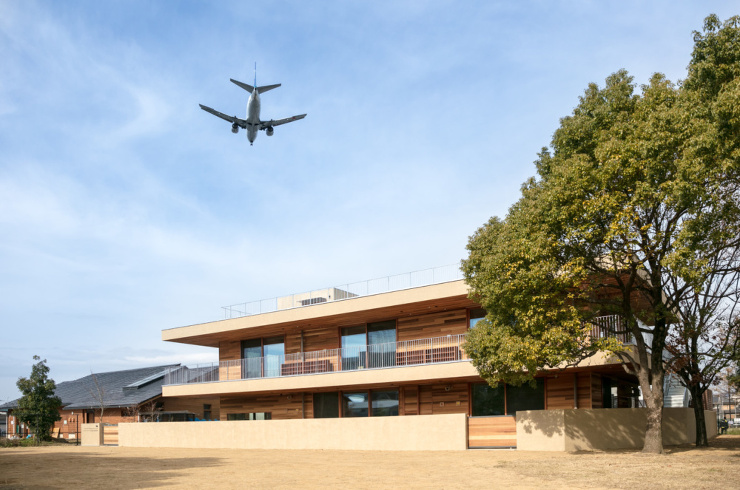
<point x="65" y="468"/>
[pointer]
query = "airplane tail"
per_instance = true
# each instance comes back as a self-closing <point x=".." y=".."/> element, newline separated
<point x="250" y="88"/>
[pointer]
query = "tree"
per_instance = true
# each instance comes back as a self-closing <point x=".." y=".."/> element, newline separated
<point x="636" y="196"/>
<point x="97" y="392"/>
<point x="704" y="339"/>
<point x="38" y="407"/>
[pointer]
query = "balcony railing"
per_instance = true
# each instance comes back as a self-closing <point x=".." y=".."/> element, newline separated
<point x="610" y="326"/>
<point x="437" y="275"/>
<point x="379" y="356"/>
<point x="347" y="359"/>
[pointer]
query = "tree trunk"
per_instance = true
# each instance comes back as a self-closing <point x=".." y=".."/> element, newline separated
<point x="701" y="426"/>
<point x="654" y="431"/>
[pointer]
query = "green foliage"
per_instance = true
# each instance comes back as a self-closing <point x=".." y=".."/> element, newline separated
<point x="38" y="407"/>
<point x="634" y="200"/>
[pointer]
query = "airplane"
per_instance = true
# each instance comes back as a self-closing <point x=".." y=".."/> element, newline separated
<point x="253" y="123"/>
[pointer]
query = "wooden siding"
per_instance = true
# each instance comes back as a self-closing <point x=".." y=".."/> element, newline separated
<point x="492" y="431"/>
<point x="110" y="435"/>
<point x="597" y="394"/>
<point x="432" y="325"/>
<point x="194" y="405"/>
<point x="584" y="390"/>
<point x="410" y="402"/>
<point x="229" y="351"/>
<point x="425" y="400"/>
<point x="452" y="400"/>
<point x="280" y="406"/>
<point x="559" y="392"/>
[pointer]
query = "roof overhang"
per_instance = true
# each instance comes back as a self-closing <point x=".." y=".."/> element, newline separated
<point x="353" y="311"/>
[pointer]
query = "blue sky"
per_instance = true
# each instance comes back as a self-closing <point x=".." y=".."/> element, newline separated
<point x="125" y="209"/>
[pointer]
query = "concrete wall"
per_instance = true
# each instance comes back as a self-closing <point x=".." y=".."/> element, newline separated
<point x="92" y="435"/>
<point x="602" y="429"/>
<point x="423" y="432"/>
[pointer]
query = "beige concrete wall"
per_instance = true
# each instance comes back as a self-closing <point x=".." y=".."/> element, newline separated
<point x="710" y="418"/>
<point x="92" y="435"/>
<point x="423" y="432"/>
<point x="600" y="429"/>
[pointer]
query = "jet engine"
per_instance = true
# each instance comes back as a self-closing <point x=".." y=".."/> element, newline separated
<point x="235" y="128"/>
<point x="270" y="130"/>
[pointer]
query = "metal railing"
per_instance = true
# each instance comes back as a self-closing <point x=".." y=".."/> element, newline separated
<point x="610" y="326"/>
<point x="355" y="358"/>
<point x="437" y="275"/>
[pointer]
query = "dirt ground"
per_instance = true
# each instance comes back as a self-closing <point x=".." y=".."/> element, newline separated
<point x="114" y="467"/>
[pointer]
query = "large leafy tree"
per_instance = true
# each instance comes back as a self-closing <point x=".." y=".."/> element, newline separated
<point x="637" y="194"/>
<point x="38" y="407"/>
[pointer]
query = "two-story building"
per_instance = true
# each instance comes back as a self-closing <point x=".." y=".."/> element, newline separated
<point x="373" y="351"/>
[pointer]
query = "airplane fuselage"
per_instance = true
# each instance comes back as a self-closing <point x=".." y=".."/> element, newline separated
<point x="253" y="115"/>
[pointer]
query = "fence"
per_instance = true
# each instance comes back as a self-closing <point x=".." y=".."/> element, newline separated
<point x="437" y="275"/>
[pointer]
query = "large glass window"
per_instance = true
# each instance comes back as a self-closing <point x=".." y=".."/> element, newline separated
<point x="354" y="348"/>
<point x="381" y="342"/>
<point x="488" y="401"/>
<point x="354" y="404"/>
<point x="507" y="399"/>
<point x="273" y="350"/>
<point x="525" y="397"/>
<point x="373" y="345"/>
<point x="263" y="357"/>
<point x="326" y="405"/>
<point x="252" y="355"/>
<point x="476" y="315"/>
<point x="384" y="403"/>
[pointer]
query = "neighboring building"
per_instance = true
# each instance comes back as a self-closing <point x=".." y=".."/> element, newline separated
<point x="127" y="395"/>
<point x="396" y="353"/>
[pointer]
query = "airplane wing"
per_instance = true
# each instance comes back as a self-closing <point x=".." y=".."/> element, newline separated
<point x="278" y="122"/>
<point x="232" y="119"/>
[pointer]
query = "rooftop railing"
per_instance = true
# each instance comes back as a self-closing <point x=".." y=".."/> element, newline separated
<point x="437" y="275"/>
<point x="379" y="356"/>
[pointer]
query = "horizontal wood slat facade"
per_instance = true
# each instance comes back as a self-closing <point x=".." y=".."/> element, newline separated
<point x="584" y="390"/>
<point x="110" y="435"/>
<point x="559" y="392"/>
<point x="280" y="406"/>
<point x="194" y="405"/>
<point x="492" y="431"/>
<point x="432" y="325"/>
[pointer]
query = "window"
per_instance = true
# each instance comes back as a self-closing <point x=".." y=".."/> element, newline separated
<point x="506" y="399"/>
<point x="249" y="416"/>
<point x="354" y="348"/>
<point x="207" y="411"/>
<point x="263" y="357"/>
<point x="326" y="405"/>
<point x="371" y="345"/>
<point x="525" y="397"/>
<point x="476" y="315"/>
<point x="487" y="400"/>
<point x="384" y="403"/>
<point x="354" y="404"/>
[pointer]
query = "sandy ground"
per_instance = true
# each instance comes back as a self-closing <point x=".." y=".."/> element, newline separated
<point x="114" y="467"/>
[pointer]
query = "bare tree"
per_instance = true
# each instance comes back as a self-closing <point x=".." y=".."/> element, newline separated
<point x="704" y="340"/>
<point x="98" y="393"/>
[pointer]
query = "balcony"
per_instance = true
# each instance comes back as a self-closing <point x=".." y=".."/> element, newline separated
<point x="611" y="326"/>
<point x="349" y="359"/>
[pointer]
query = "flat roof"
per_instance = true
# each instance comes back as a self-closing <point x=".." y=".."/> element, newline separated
<point x="353" y="311"/>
